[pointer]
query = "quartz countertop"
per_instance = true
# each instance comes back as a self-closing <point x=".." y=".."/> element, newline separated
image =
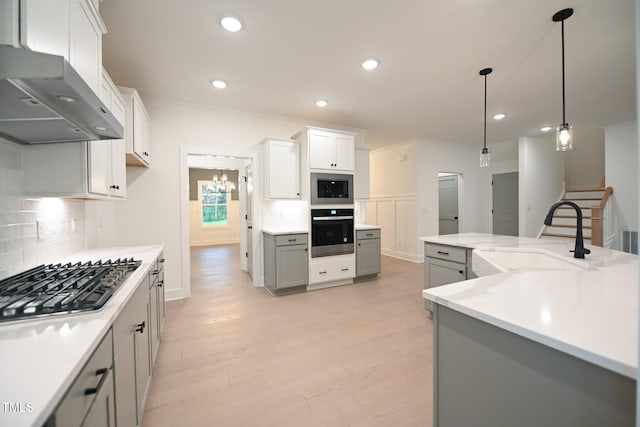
<point x="41" y="357"/>
<point x="367" y="227"/>
<point x="282" y="231"/>
<point x="590" y="313"/>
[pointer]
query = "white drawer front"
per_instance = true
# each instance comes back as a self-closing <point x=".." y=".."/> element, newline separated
<point x="331" y="271"/>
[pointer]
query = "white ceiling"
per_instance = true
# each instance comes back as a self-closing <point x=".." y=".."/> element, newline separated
<point x="292" y="52"/>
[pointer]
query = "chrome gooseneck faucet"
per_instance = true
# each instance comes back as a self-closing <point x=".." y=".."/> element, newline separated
<point x="579" y="251"/>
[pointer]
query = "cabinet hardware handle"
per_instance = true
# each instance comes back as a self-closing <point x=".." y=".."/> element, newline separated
<point x="140" y="326"/>
<point x="306" y="249"/>
<point x="155" y="272"/>
<point x="145" y="153"/>
<point x="369" y="234"/>
<point x="115" y="187"/>
<point x="160" y="283"/>
<point x="293" y="240"/>
<point x="460" y="271"/>
<point x="345" y="269"/>
<point x="443" y="253"/>
<point x="323" y="272"/>
<point x="161" y="260"/>
<point x="297" y="194"/>
<point x="359" y="244"/>
<point x="94" y="390"/>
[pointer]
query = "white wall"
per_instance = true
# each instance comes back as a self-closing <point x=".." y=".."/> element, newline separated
<point x="621" y="148"/>
<point x="394" y="184"/>
<point x="504" y="159"/>
<point x="585" y="164"/>
<point x="438" y="156"/>
<point x="62" y="222"/>
<point x="541" y="181"/>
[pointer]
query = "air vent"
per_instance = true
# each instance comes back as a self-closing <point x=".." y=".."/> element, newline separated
<point x="630" y="241"/>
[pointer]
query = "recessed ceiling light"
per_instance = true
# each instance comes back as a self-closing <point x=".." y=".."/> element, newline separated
<point x="219" y="84"/>
<point x="546" y="128"/>
<point x="370" y="64"/>
<point x="499" y="116"/>
<point x="230" y="23"/>
<point x="321" y="103"/>
<point x="68" y="99"/>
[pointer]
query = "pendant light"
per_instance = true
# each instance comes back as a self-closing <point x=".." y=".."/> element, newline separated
<point x="485" y="155"/>
<point x="564" y="133"/>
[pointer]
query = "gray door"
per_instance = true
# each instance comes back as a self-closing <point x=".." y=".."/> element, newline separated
<point x="248" y="173"/>
<point x="448" y="204"/>
<point x="505" y="204"/>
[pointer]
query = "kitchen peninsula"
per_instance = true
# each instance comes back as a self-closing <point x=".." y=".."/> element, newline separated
<point x="553" y="342"/>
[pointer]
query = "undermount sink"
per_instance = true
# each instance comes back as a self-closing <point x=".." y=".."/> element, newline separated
<point x="492" y="261"/>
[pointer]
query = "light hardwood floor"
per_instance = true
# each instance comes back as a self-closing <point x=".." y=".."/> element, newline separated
<point x="231" y="355"/>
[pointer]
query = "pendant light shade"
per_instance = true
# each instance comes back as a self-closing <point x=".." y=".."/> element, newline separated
<point x="485" y="155"/>
<point x="564" y="133"/>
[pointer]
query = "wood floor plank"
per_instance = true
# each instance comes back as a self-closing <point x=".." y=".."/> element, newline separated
<point x="232" y="355"/>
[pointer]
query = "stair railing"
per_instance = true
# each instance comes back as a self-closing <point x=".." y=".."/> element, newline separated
<point x="603" y="228"/>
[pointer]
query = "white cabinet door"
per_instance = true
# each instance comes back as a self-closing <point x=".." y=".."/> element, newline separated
<point x="44" y="26"/>
<point x="140" y="132"/>
<point x="283" y="169"/>
<point x="344" y="149"/>
<point x="329" y="150"/>
<point x="118" y="185"/>
<point x="99" y="167"/>
<point x="85" y="44"/>
<point x="321" y="150"/>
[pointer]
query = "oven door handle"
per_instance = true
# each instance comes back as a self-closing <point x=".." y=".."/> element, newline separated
<point x="330" y="218"/>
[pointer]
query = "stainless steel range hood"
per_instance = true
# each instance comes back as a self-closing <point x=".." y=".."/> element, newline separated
<point x="43" y="100"/>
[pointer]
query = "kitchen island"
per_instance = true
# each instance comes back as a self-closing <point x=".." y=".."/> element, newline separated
<point x="554" y="343"/>
<point x="43" y="357"/>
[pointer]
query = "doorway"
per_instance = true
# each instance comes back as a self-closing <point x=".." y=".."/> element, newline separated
<point x="236" y="206"/>
<point x="448" y="203"/>
<point x="505" y="203"/>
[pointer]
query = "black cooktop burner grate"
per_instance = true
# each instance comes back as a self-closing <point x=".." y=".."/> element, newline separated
<point x="62" y="288"/>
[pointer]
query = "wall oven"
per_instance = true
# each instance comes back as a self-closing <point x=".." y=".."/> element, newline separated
<point x="331" y="189"/>
<point x="331" y="232"/>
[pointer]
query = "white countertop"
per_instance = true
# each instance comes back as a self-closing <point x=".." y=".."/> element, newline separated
<point x="282" y="231"/>
<point x="590" y="313"/>
<point x="42" y="357"/>
<point x="367" y="227"/>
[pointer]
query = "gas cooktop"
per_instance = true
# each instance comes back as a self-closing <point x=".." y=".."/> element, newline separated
<point x="62" y="288"/>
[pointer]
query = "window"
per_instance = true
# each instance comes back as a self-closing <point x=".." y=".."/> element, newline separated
<point x="213" y="202"/>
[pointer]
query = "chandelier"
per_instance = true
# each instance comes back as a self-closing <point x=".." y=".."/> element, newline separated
<point x="222" y="184"/>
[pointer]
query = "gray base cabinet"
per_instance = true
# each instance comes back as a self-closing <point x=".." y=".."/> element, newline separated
<point x="286" y="262"/>
<point x="90" y="399"/>
<point x="368" y="252"/>
<point x="444" y="264"/>
<point x="485" y="376"/>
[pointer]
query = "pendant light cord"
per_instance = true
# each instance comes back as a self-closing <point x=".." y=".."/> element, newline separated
<point x="564" y="118"/>
<point x="485" y="111"/>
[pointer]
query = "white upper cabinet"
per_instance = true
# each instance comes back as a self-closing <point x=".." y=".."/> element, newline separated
<point x="331" y="150"/>
<point x="70" y="28"/>
<point x="44" y="26"/>
<point x="137" y="131"/>
<point x="85" y="42"/>
<point x="281" y="169"/>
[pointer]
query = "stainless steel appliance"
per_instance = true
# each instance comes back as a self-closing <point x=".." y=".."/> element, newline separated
<point x="331" y="188"/>
<point x="331" y="232"/>
<point x="62" y="288"/>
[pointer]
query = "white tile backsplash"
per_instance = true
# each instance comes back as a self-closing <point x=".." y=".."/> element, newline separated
<point x="24" y="244"/>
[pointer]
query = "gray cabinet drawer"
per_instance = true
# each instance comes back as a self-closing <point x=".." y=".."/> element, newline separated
<point x="90" y="382"/>
<point x="449" y="253"/>
<point x="291" y="239"/>
<point x="367" y="234"/>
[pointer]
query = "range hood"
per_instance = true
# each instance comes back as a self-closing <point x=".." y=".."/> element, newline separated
<point x="43" y="100"/>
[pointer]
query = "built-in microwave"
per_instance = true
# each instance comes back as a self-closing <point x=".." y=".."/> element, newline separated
<point x="331" y="188"/>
